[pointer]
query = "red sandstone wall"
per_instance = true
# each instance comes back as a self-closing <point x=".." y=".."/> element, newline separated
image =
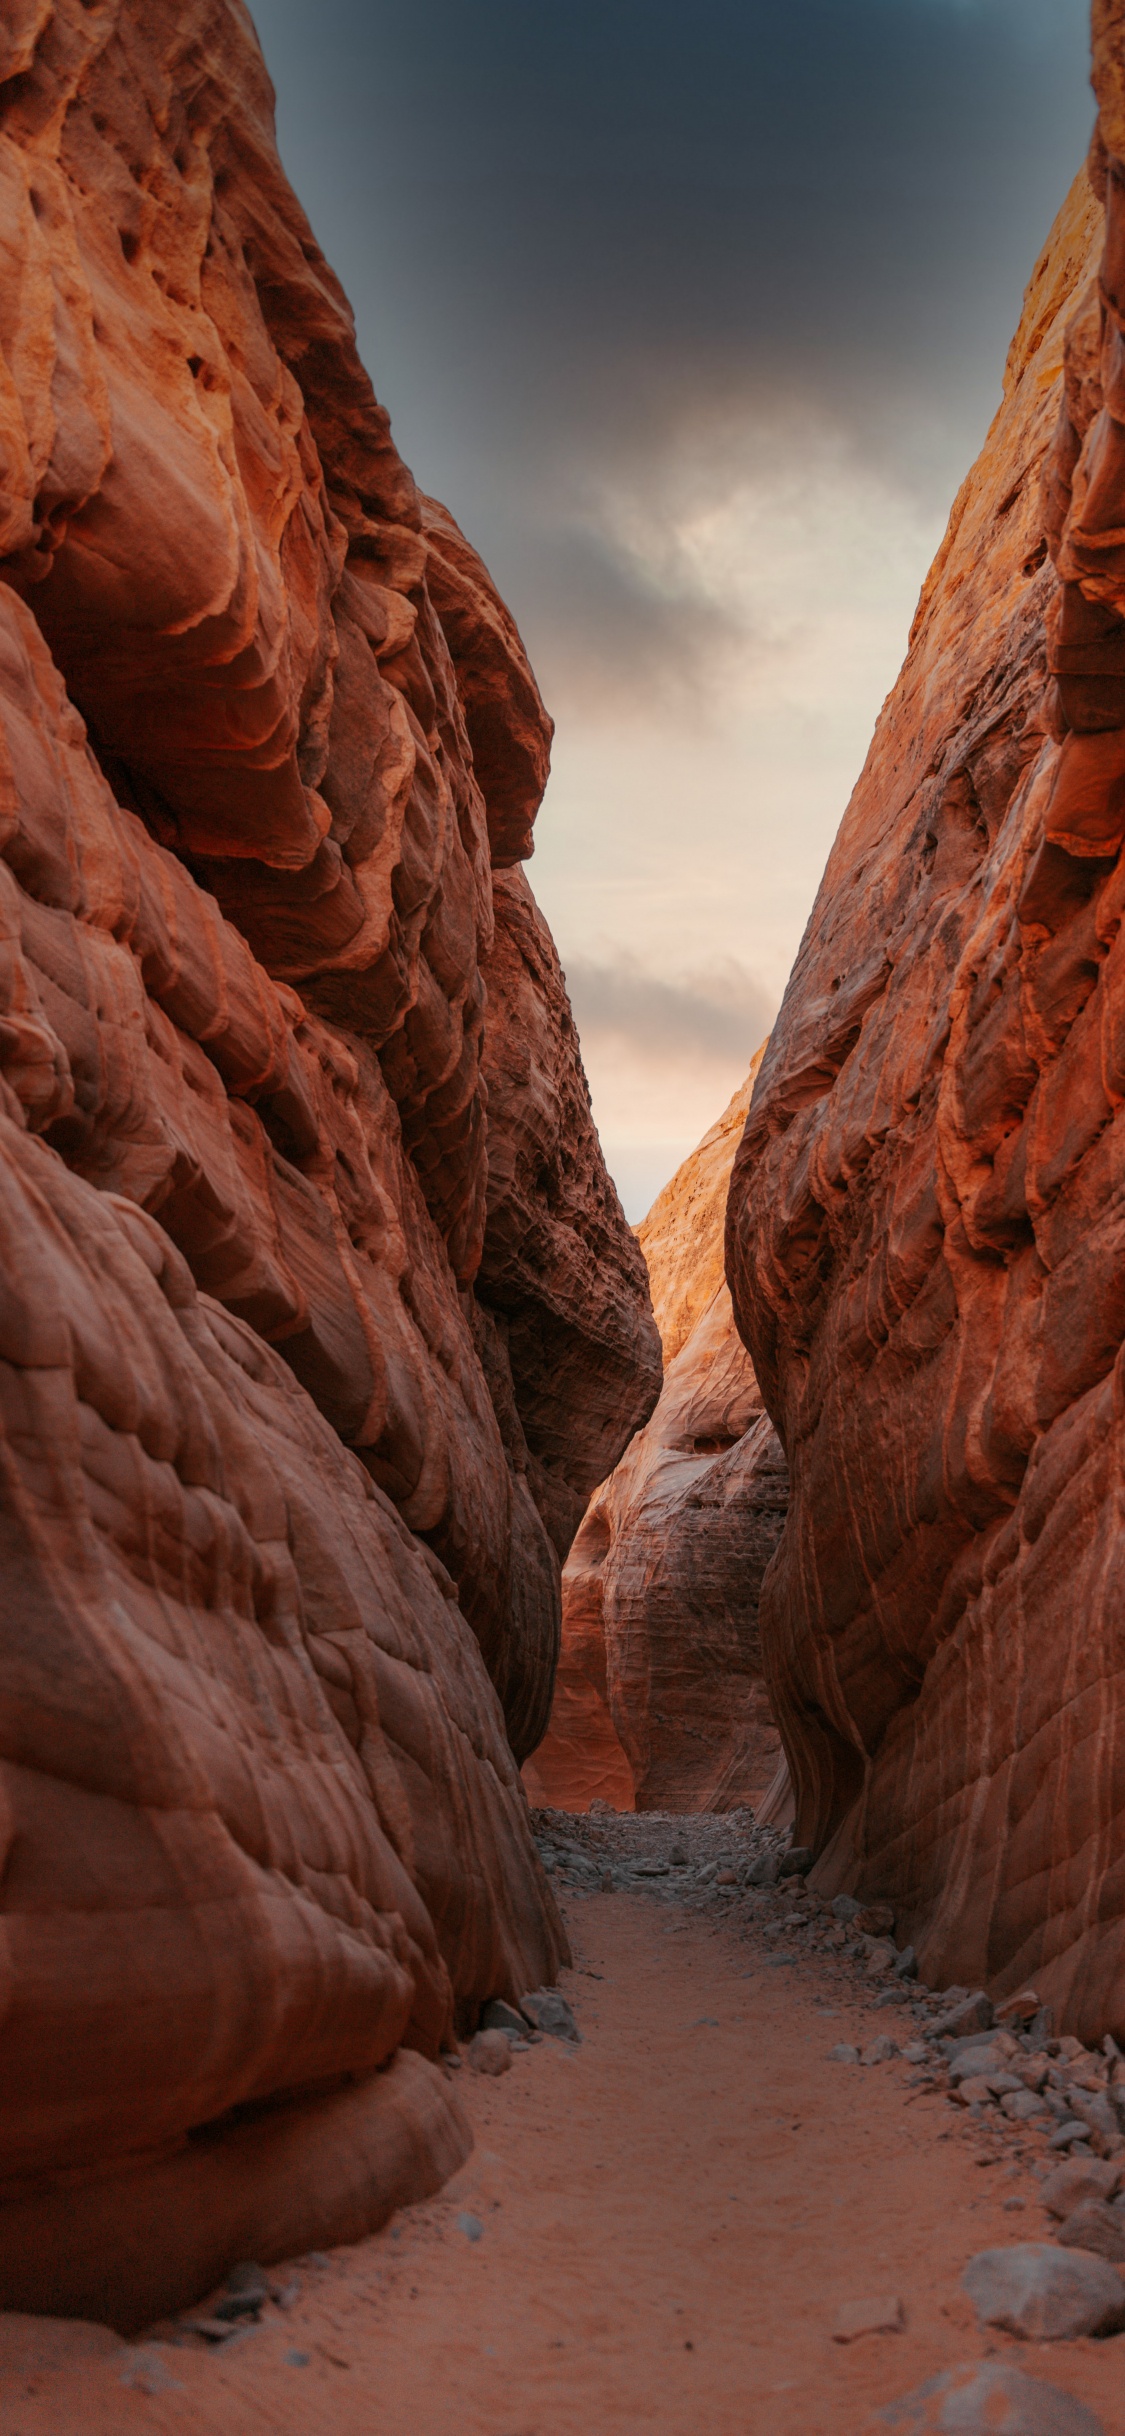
<point x="660" y="1701"/>
<point x="924" y="1222"/>
<point x="265" y="733"/>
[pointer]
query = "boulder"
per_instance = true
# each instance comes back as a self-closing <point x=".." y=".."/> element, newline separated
<point x="1043" y="2294"/>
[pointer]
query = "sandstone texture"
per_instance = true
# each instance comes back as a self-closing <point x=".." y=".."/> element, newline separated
<point x="682" y="1236"/>
<point x="924" y="1228"/>
<point x="660" y="1701"/>
<point x="284" y="1502"/>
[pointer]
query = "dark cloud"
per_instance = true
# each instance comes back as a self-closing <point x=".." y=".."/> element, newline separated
<point x="704" y="1018"/>
<point x="576" y="233"/>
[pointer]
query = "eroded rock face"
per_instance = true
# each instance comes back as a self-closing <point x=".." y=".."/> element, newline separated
<point x="660" y="1701"/>
<point x="262" y="1521"/>
<point x="924" y="1228"/>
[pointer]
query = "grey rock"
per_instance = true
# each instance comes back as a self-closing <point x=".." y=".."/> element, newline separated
<point x="1043" y="2294"/>
<point x="470" y="2226"/>
<point x="845" y="1907"/>
<point x="1079" y="2179"/>
<point x="881" y="2051"/>
<point x="794" y="1864"/>
<point x="916" y="2053"/>
<point x="496" y="2015"/>
<point x="549" y="2012"/>
<point x="990" y="2398"/>
<point x="1022" y="2105"/>
<point x="1095" y="2227"/>
<point x="1067" y="2132"/>
<point x="843" y="2054"/>
<point x="907" y="1965"/>
<point x="656" y="1869"/>
<point x="1095" y="2111"/>
<point x="763" y="1872"/>
<point x="972" y="2013"/>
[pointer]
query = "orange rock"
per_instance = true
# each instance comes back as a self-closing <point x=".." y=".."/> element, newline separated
<point x="272" y="1546"/>
<point x="660" y="1701"/>
<point x="924" y="1229"/>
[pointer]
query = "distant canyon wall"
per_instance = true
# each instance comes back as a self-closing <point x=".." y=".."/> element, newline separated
<point x="320" y="1316"/>
<point x="660" y="1700"/>
<point x="924" y="1232"/>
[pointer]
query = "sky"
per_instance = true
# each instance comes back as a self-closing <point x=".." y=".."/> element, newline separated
<point x="694" y="312"/>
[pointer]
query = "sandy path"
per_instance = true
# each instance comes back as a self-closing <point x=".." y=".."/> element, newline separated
<point x="670" y="2217"/>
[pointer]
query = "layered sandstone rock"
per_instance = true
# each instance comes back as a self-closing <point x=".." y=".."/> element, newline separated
<point x="682" y="1236"/>
<point x="264" y="731"/>
<point x="660" y="1701"/>
<point x="924" y="1228"/>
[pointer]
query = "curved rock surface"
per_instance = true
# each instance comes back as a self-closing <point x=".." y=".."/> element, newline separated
<point x="265" y="730"/>
<point x="660" y="1701"/>
<point x="924" y="1236"/>
<point x="682" y="1236"/>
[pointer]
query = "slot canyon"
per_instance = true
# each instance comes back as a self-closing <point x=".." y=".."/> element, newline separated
<point x="562" y="1782"/>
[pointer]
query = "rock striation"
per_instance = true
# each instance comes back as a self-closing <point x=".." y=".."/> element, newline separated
<point x="924" y="1223"/>
<point x="285" y="1501"/>
<point x="660" y="1701"/>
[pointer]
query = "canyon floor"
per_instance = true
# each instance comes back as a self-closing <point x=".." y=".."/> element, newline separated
<point x="656" y="2231"/>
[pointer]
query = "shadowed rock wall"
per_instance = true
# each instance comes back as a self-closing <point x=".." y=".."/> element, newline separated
<point x="924" y="1232"/>
<point x="660" y="1701"/>
<point x="265" y="732"/>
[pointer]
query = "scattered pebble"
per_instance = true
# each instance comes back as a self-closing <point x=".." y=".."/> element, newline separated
<point x="843" y="2054"/>
<point x="470" y="2226"/>
<point x="856" y="2318"/>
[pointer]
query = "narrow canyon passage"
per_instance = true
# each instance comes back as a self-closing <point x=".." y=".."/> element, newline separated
<point x="657" y="2230"/>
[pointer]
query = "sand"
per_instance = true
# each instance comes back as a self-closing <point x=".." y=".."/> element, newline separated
<point x="670" y="2217"/>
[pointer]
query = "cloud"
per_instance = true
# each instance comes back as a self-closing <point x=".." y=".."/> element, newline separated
<point x="701" y="1019"/>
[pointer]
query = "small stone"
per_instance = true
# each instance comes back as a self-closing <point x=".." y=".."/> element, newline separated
<point x="490" y="2051"/>
<point x="874" y="1920"/>
<point x="296" y="2359"/>
<point x="1019" y="2011"/>
<point x="1022" y="2105"/>
<point x="845" y="1907"/>
<point x="607" y="1882"/>
<point x="843" y="2054"/>
<point x="989" y="2398"/>
<point x="973" y="2013"/>
<point x="650" y="1869"/>
<point x="1095" y="2227"/>
<point x="148" y="2373"/>
<point x="1043" y="2294"/>
<point x="794" y="1864"/>
<point x="1010" y="2205"/>
<point x="677" y="1858"/>
<point x="1077" y="2180"/>
<point x="881" y="1956"/>
<point x="881" y="2051"/>
<point x="496" y="2015"/>
<point x="856" y="2318"/>
<point x="916" y="2053"/>
<point x="549" y="2012"/>
<point x="763" y="1872"/>
<point x="727" y="1877"/>
<point x="907" y="1965"/>
<point x="470" y="2226"/>
<point x="1068" y="2132"/>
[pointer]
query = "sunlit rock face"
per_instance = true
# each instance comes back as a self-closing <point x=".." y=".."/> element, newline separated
<point x="660" y="1701"/>
<point x="924" y="1237"/>
<point x="278" y="1571"/>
